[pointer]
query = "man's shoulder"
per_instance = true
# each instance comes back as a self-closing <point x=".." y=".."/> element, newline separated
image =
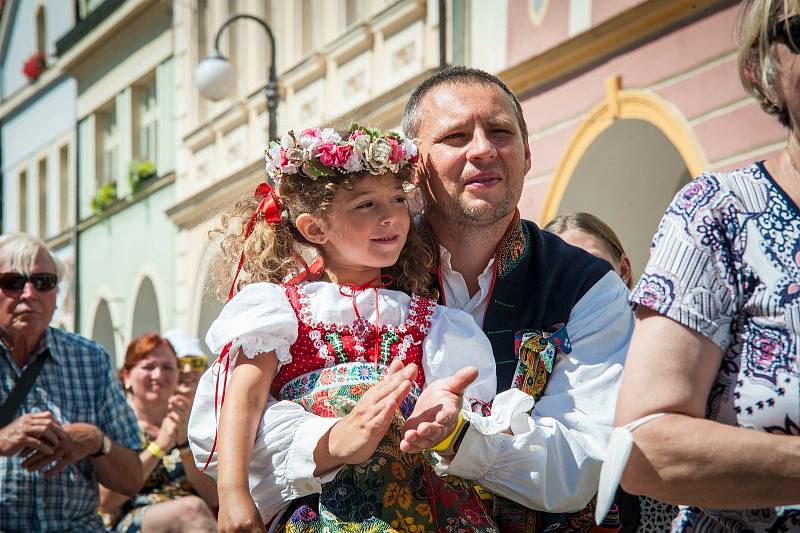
<point x="66" y="340"/>
<point x="550" y="252"/>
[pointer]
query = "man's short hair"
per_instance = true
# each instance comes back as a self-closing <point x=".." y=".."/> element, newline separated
<point x="20" y="250"/>
<point x="412" y="116"/>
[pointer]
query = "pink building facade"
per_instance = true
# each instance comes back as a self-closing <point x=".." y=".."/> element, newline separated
<point x="625" y="102"/>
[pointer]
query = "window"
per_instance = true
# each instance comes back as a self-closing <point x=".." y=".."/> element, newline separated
<point x="87" y="6"/>
<point x="353" y="12"/>
<point x="108" y="144"/>
<point x="41" y="31"/>
<point x="307" y="30"/>
<point x="203" y="43"/>
<point x="23" y="201"/>
<point x="42" y="194"/>
<point x="63" y="187"/>
<point x="145" y="136"/>
<point x="232" y="34"/>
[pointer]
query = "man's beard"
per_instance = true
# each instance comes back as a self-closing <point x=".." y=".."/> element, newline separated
<point x="484" y="214"/>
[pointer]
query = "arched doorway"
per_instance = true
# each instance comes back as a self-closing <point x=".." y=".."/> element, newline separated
<point x="624" y="164"/>
<point x="103" y="330"/>
<point x="627" y="177"/>
<point x="146" y="318"/>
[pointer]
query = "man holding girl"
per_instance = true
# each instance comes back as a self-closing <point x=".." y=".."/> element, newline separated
<point x="556" y="318"/>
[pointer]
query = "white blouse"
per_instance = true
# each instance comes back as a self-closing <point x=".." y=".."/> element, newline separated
<point x="260" y="319"/>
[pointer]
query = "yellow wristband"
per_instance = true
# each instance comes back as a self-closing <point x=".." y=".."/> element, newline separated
<point x="443" y="445"/>
<point x="155" y="450"/>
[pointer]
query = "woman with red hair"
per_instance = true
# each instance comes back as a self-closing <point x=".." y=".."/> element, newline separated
<point x="175" y="496"/>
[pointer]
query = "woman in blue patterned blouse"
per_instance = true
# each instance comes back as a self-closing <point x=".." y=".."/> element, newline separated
<point x="718" y="321"/>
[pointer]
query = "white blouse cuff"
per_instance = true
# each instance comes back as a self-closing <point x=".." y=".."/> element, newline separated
<point x="485" y="438"/>
<point x="257" y="343"/>
<point x="300" y="462"/>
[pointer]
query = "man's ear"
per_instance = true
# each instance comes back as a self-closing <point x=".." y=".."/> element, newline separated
<point x="312" y="228"/>
<point x="527" y="156"/>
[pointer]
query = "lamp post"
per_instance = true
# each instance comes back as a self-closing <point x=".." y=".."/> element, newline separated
<point x="215" y="76"/>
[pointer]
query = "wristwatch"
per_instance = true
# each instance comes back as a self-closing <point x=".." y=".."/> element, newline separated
<point x="105" y="447"/>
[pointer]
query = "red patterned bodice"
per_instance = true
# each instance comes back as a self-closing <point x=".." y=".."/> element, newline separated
<point x="320" y="345"/>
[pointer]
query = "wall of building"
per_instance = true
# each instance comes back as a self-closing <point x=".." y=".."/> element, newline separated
<point x="681" y="83"/>
<point x="117" y="254"/>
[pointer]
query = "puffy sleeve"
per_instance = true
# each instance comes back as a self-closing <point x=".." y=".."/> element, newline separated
<point x="453" y="342"/>
<point x="693" y="272"/>
<point x="258" y="319"/>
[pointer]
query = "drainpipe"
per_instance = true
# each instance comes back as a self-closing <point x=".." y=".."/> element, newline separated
<point x="76" y="311"/>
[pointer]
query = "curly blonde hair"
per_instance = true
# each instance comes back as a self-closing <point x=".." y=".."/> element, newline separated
<point x="272" y="252"/>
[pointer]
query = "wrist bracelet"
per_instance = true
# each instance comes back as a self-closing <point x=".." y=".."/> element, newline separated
<point x="182" y="445"/>
<point x="155" y="450"/>
<point x="444" y="444"/>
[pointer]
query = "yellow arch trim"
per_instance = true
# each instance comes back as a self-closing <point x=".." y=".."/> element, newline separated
<point x="623" y="104"/>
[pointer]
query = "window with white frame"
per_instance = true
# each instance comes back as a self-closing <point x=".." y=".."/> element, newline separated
<point x="63" y="187"/>
<point x="42" y="196"/>
<point x="145" y="120"/>
<point x="23" y="200"/>
<point x="108" y="143"/>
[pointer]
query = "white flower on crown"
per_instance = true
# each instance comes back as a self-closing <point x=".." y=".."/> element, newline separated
<point x="410" y="148"/>
<point x="354" y="163"/>
<point x="330" y="135"/>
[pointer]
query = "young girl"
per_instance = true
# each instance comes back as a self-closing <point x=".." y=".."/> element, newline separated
<point x="323" y="344"/>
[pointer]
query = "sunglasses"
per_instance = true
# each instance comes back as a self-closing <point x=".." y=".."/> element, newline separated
<point x="15" y="282"/>
<point x="788" y="32"/>
<point x="195" y="362"/>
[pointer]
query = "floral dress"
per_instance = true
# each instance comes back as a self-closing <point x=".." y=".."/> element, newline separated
<point x="725" y="262"/>
<point x="331" y="349"/>
<point x="166" y="482"/>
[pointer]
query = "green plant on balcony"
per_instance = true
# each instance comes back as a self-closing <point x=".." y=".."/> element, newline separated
<point x="139" y="173"/>
<point x="104" y="196"/>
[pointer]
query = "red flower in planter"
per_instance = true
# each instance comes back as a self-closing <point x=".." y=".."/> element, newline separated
<point x="34" y="66"/>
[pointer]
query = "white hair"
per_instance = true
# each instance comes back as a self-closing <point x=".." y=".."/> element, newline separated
<point x="20" y="250"/>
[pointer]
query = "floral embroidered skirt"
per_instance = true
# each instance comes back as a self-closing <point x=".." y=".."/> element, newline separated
<point x="392" y="491"/>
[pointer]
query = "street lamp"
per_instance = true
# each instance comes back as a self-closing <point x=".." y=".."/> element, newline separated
<point x="215" y="76"/>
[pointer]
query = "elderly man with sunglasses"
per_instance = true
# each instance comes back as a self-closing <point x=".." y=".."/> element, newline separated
<point x="64" y="422"/>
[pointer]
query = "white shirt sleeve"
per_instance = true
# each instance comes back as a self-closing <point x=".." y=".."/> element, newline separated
<point x="258" y="319"/>
<point x="552" y="461"/>
<point x="454" y="342"/>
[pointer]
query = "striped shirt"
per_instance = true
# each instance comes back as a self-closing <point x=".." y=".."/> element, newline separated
<point x="76" y="384"/>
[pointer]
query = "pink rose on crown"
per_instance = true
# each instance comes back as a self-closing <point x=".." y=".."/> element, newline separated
<point x="355" y="135"/>
<point x="312" y="132"/>
<point x="327" y="154"/>
<point x="343" y="153"/>
<point x="397" y="154"/>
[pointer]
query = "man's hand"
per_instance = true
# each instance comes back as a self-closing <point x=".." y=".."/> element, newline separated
<point x="355" y="437"/>
<point x="436" y="412"/>
<point x="31" y="433"/>
<point x="80" y="440"/>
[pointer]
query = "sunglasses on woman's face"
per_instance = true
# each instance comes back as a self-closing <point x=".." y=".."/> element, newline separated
<point x="195" y="362"/>
<point x="788" y="32"/>
<point x="15" y="282"/>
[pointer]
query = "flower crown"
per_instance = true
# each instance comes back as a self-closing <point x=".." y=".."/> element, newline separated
<point x="323" y="152"/>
